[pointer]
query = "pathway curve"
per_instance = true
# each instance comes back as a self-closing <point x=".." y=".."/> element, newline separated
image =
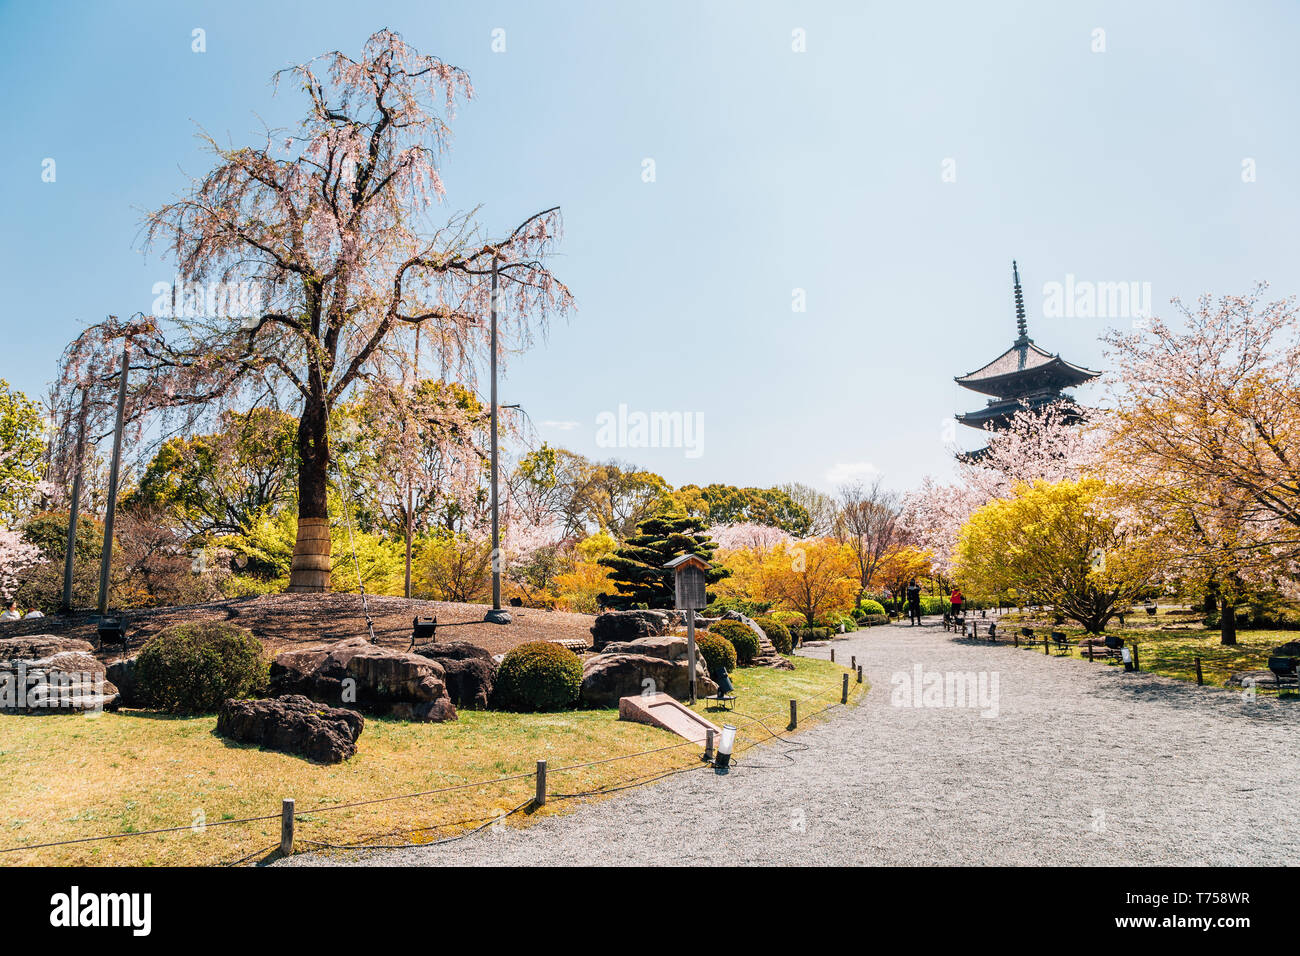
<point x="1082" y="764"/>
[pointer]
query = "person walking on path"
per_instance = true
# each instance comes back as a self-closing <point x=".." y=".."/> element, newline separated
<point x="914" y="602"/>
<point x="957" y="601"/>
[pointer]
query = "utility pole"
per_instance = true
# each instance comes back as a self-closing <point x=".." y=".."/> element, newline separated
<point x="65" y="606"/>
<point x="496" y="615"/>
<point x="410" y="481"/>
<point x="107" y="557"/>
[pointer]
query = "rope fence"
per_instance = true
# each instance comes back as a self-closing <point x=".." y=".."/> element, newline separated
<point x="288" y="815"/>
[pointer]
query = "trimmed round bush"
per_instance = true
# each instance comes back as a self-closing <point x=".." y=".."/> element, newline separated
<point x="777" y="633"/>
<point x="869" y="606"/>
<point x="741" y="637"/>
<point x="791" y="619"/>
<point x="538" y="676"/>
<point x="832" y="622"/>
<point x="192" y="668"/>
<point x="931" y="604"/>
<point x="716" y="651"/>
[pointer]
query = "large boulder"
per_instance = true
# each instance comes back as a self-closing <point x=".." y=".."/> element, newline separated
<point x="355" y="673"/>
<point x="123" y="674"/>
<point x="294" y="724"/>
<point x="670" y="647"/>
<point x="455" y="651"/>
<point x="628" y="626"/>
<point x="609" y="676"/>
<point x="677" y="618"/>
<point x="44" y="673"/>
<point x="468" y="671"/>
<point x="1252" y="678"/>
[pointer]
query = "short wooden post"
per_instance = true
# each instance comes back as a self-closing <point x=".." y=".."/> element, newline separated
<point x="859" y="673"/>
<point x="832" y="655"/>
<point x="1135" y="658"/>
<point x="853" y="662"/>
<point x="286" y="827"/>
<point x="1047" y="646"/>
<point x="1200" y="678"/>
<point x="540" y="799"/>
<point x="844" y="690"/>
<point x="794" y="714"/>
<point x="708" y="744"/>
<point x="1015" y="638"/>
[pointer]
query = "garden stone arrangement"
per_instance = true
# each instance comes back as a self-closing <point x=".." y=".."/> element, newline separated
<point x="468" y="671"/>
<point x="628" y="626"/>
<point x="70" y="677"/>
<point x="622" y="668"/>
<point x="293" y="724"/>
<point x="387" y="682"/>
<point x="1262" y="676"/>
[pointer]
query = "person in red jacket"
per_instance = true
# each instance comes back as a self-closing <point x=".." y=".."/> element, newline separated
<point x="956" y="601"/>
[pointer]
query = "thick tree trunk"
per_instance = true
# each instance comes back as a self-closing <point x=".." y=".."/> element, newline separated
<point x="1227" y="621"/>
<point x="311" y="548"/>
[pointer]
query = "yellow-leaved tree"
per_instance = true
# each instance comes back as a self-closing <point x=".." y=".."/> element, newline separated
<point x="579" y="588"/>
<point x="1071" y="544"/>
<point x="900" y="564"/>
<point x="814" y="578"/>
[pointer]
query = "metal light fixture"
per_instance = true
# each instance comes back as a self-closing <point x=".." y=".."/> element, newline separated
<point x="112" y="630"/>
<point x="725" y="746"/>
<point x="424" y="629"/>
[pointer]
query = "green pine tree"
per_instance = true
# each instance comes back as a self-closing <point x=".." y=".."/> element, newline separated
<point x="637" y="567"/>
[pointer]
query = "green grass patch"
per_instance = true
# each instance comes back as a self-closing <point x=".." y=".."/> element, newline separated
<point x="1174" y="653"/>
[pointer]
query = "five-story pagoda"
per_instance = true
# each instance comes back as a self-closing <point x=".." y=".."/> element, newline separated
<point x="1024" y="376"/>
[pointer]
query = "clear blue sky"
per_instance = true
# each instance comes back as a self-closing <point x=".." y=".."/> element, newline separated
<point x="775" y="170"/>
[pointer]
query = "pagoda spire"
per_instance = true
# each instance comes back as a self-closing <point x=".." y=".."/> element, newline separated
<point x="1023" y="327"/>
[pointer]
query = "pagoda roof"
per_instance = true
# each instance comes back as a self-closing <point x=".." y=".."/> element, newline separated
<point x="998" y="414"/>
<point x="1024" y="367"/>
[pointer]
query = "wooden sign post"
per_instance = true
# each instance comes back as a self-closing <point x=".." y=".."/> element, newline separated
<point x="688" y="573"/>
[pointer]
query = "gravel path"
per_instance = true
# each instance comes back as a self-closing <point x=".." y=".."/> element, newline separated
<point x="1083" y="764"/>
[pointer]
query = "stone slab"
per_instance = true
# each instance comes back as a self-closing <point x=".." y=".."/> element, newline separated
<point x="661" y="710"/>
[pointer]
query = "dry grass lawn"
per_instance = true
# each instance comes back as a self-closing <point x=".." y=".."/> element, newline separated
<point x="65" y="777"/>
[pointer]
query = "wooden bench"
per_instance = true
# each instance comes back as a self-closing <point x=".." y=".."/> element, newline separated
<point x="1111" y="650"/>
